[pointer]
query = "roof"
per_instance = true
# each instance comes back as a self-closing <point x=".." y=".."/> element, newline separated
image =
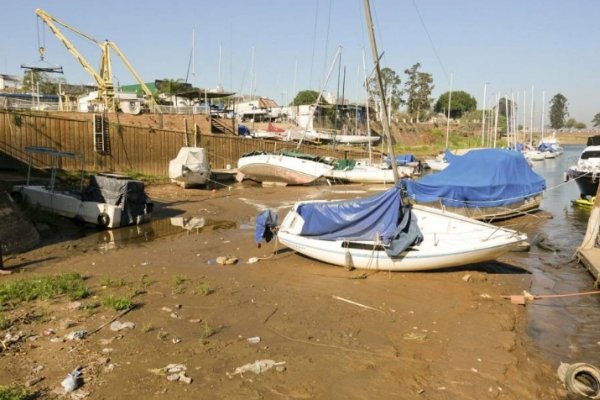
<point x="190" y="93"/>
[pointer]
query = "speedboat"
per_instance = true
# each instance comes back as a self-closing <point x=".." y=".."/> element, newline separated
<point x="109" y="201"/>
<point x="587" y="170"/>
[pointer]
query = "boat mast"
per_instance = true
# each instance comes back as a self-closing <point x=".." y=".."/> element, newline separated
<point x="543" y="111"/>
<point x="312" y="114"/>
<point x="367" y="103"/>
<point x="384" y="120"/>
<point x="531" y="118"/>
<point x="449" y="105"/>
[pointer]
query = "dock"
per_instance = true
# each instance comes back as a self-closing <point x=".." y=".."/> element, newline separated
<point x="588" y="253"/>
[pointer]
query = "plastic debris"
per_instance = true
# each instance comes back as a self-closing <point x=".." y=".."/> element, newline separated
<point x="253" y="340"/>
<point x="72" y="381"/>
<point x="118" y="326"/>
<point x="258" y="366"/>
<point x="174" y="373"/>
<point x="226" y="260"/>
<point x="252" y="260"/>
<point x="76" y="335"/>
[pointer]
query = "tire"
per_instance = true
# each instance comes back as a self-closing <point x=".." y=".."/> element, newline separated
<point x="584" y="380"/>
<point x="103" y="220"/>
<point x="17" y="197"/>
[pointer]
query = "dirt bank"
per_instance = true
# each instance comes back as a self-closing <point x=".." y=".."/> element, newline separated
<point x="438" y="335"/>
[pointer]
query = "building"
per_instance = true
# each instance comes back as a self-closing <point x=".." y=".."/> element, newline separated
<point x="10" y="82"/>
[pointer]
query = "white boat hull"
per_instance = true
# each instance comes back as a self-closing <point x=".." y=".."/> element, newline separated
<point x="437" y="165"/>
<point x="70" y="206"/>
<point x="281" y="169"/>
<point x="369" y="174"/>
<point x="449" y="240"/>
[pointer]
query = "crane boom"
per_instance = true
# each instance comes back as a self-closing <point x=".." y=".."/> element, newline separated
<point x="106" y="91"/>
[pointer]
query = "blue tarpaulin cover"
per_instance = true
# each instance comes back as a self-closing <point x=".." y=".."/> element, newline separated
<point x="402" y="159"/>
<point x="266" y="222"/>
<point x="381" y="217"/>
<point x="480" y="178"/>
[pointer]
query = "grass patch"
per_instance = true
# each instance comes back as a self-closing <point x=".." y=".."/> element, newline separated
<point x="14" y="392"/>
<point x="117" y="303"/>
<point x="112" y="283"/>
<point x="145" y="281"/>
<point x="71" y="285"/>
<point x="162" y="335"/>
<point x="5" y="323"/>
<point x="207" y="331"/>
<point x="204" y="289"/>
<point x="179" y="284"/>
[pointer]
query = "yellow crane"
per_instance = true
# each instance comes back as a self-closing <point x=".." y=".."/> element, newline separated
<point x="106" y="89"/>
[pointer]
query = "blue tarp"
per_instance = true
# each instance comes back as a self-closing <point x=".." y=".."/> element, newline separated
<point x="401" y="159"/>
<point x="480" y="178"/>
<point x="266" y="222"/>
<point x="381" y="217"/>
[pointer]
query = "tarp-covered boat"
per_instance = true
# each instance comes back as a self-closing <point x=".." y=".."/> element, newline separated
<point x="190" y="167"/>
<point x="382" y="232"/>
<point x="483" y="184"/>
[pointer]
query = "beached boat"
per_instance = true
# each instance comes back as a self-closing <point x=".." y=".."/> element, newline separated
<point x="108" y="201"/>
<point x="284" y="168"/>
<point x="190" y="167"/>
<point x="485" y="184"/>
<point x="362" y="171"/>
<point x="382" y="232"/>
<point x="586" y="172"/>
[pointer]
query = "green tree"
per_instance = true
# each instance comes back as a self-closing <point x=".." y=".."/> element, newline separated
<point x="558" y="111"/>
<point x="391" y="83"/>
<point x="419" y="86"/>
<point x="505" y="107"/>
<point x="461" y="103"/>
<point x="47" y="85"/>
<point x="305" y="97"/>
<point x="596" y="120"/>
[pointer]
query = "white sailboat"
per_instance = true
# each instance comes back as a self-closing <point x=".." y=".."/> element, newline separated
<point x="448" y="240"/>
<point x="286" y="168"/>
<point x="382" y="232"/>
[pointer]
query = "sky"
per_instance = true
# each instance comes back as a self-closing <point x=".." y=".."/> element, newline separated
<point x="500" y="48"/>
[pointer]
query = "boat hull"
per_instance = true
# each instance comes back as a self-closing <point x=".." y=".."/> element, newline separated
<point x="68" y="205"/>
<point x="587" y="182"/>
<point x="450" y="240"/>
<point x="281" y="169"/>
<point x="369" y="174"/>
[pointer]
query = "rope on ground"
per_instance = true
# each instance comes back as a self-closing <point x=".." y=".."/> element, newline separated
<point x="528" y="297"/>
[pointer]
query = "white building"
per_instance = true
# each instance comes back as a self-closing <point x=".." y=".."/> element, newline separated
<point x="10" y="82"/>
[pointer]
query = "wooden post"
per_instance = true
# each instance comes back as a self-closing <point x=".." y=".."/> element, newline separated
<point x="195" y="135"/>
<point x="185" y="132"/>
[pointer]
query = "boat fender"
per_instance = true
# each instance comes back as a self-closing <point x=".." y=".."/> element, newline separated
<point x="581" y="379"/>
<point x="103" y="220"/>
